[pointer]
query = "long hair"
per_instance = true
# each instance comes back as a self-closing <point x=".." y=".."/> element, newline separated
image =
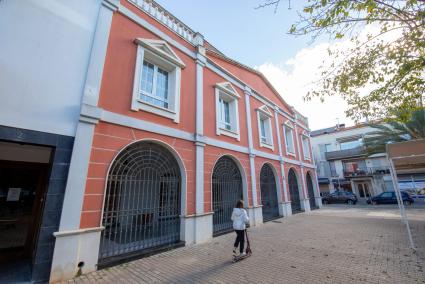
<point x="239" y="204"/>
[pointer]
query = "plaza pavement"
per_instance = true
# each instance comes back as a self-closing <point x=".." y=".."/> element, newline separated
<point x="336" y="244"/>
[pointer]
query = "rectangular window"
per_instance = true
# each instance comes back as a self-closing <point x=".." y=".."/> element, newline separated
<point x="154" y="85"/>
<point x="264" y="121"/>
<point x="328" y="147"/>
<point x="226" y="110"/>
<point x="289" y="140"/>
<point x="350" y="144"/>
<point x="263" y="130"/>
<point x="306" y="147"/>
<point x="225" y="114"/>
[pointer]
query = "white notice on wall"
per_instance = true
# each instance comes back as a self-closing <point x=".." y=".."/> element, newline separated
<point x="13" y="194"/>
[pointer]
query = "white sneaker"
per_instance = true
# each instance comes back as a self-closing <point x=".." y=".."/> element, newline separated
<point x="242" y="254"/>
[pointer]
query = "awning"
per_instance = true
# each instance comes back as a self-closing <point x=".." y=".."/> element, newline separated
<point x="323" y="180"/>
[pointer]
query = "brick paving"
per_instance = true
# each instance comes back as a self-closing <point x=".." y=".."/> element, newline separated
<point x="334" y="245"/>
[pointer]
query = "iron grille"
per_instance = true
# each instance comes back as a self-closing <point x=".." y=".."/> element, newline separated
<point x="226" y="190"/>
<point x="142" y="203"/>
<point x="268" y="194"/>
<point x="294" y="191"/>
<point x="310" y="190"/>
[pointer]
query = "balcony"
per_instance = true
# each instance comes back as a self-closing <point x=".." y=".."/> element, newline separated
<point x="345" y="154"/>
<point x="368" y="171"/>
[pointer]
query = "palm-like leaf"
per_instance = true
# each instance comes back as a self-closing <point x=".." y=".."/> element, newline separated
<point x="395" y="130"/>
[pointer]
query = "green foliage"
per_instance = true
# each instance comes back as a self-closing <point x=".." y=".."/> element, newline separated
<point x="383" y="71"/>
<point x="403" y="126"/>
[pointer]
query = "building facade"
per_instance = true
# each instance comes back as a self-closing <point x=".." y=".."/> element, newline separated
<point x="342" y="163"/>
<point x="166" y="132"/>
<point x="44" y="53"/>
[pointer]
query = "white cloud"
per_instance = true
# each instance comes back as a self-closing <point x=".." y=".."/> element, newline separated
<point x="294" y="78"/>
<point x="298" y="75"/>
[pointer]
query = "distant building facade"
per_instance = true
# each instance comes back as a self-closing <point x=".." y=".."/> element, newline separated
<point x="342" y="163"/>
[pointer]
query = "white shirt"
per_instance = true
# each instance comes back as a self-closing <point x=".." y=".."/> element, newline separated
<point x="239" y="218"/>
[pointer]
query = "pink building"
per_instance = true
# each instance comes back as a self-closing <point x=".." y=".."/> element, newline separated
<point x="171" y="134"/>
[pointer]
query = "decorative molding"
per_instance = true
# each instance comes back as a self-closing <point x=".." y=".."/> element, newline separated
<point x="225" y="92"/>
<point x="209" y="63"/>
<point x="111" y="4"/>
<point x="162" y="49"/>
<point x="159" y="54"/>
<point x="145" y="24"/>
<point x="228" y="89"/>
<point x="77" y="232"/>
<point x="157" y="12"/>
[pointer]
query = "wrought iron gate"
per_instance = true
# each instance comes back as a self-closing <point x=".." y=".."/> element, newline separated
<point x="226" y="190"/>
<point x="293" y="190"/>
<point x="310" y="190"/>
<point x="268" y="194"/>
<point x="142" y="203"/>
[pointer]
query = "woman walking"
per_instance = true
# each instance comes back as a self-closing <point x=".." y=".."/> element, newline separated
<point x="240" y="219"/>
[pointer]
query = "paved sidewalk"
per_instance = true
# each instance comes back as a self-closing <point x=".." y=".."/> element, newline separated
<point x="316" y="248"/>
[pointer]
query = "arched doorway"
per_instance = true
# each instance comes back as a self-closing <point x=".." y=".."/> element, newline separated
<point x="226" y="191"/>
<point x="310" y="190"/>
<point x="268" y="193"/>
<point x="294" y="191"/>
<point x="142" y="202"/>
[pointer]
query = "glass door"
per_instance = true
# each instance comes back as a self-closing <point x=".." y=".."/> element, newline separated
<point x="21" y="193"/>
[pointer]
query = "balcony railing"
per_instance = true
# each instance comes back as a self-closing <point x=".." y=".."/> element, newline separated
<point x="368" y="171"/>
<point x="344" y="154"/>
<point x="157" y="12"/>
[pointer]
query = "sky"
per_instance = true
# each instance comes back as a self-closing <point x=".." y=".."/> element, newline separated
<point x="258" y="38"/>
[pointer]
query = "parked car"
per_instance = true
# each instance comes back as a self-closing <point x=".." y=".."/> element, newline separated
<point x="389" y="197"/>
<point x="340" y="197"/>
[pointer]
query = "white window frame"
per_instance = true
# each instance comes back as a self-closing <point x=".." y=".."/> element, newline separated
<point x="160" y="54"/>
<point x="291" y="126"/>
<point x="225" y="92"/>
<point x="306" y="146"/>
<point x="264" y="114"/>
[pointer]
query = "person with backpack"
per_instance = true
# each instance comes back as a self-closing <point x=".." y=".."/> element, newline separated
<point x="240" y="219"/>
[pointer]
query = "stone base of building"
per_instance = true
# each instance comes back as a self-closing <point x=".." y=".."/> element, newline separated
<point x="305" y="205"/>
<point x="255" y="215"/>
<point x="197" y="229"/>
<point x="76" y="252"/>
<point x="319" y="202"/>
<point x="285" y="209"/>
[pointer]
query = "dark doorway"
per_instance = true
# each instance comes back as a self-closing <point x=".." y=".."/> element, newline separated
<point x="22" y="191"/>
<point x="294" y="192"/>
<point x="226" y="191"/>
<point x="268" y="194"/>
<point x="310" y="190"/>
<point x="142" y="204"/>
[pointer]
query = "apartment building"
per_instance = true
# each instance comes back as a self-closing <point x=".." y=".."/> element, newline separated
<point x="342" y="163"/>
<point x="166" y="132"/>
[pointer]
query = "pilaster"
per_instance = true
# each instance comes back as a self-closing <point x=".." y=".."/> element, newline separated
<point x="73" y="245"/>
<point x="282" y="175"/>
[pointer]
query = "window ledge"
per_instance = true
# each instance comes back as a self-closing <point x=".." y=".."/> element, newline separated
<point x="290" y="153"/>
<point x="229" y="133"/>
<point x="155" y="106"/>
<point x="266" y="145"/>
<point x="145" y="106"/>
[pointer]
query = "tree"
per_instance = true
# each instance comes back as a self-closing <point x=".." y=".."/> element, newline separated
<point x="384" y="71"/>
<point x="398" y="129"/>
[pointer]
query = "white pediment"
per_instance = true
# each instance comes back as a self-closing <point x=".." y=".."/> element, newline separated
<point x="265" y="110"/>
<point x="228" y="88"/>
<point x="161" y="48"/>
<point x="289" y="124"/>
